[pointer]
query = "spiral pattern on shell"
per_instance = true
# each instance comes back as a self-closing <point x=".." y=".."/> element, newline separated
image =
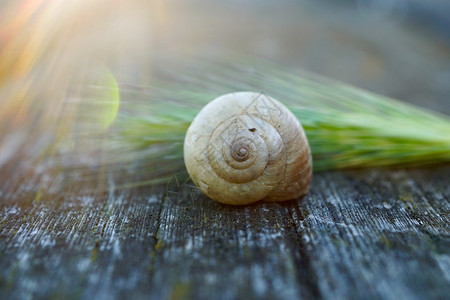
<point x="245" y="147"/>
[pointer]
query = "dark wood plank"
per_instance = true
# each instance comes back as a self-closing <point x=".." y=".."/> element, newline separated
<point x="379" y="234"/>
<point x="357" y="234"/>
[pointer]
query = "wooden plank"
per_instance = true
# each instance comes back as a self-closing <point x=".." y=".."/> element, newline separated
<point x="77" y="245"/>
<point x="358" y="234"/>
<point x="378" y="234"/>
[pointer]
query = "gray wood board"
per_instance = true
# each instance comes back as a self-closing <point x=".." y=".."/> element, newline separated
<point x="381" y="234"/>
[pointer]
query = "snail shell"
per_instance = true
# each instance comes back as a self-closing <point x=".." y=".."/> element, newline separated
<point x="244" y="147"/>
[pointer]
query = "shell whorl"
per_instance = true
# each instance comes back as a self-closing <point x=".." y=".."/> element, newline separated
<point x="245" y="147"/>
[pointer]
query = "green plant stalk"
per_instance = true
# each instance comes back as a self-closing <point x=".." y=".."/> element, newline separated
<point x="346" y="127"/>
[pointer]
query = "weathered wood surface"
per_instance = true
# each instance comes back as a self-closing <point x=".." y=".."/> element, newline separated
<point x="371" y="234"/>
<point x="381" y="234"/>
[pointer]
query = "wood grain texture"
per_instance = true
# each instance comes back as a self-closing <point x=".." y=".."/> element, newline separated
<point x="382" y="234"/>
<point x="372" y="234"/>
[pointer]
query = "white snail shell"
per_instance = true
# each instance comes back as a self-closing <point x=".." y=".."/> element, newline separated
<point x="245" y="147"/>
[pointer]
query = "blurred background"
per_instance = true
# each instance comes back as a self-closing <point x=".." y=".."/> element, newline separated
<point x="61" y="61"/>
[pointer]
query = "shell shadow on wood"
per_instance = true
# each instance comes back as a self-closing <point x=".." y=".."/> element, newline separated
<point x="245" y="147"/>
